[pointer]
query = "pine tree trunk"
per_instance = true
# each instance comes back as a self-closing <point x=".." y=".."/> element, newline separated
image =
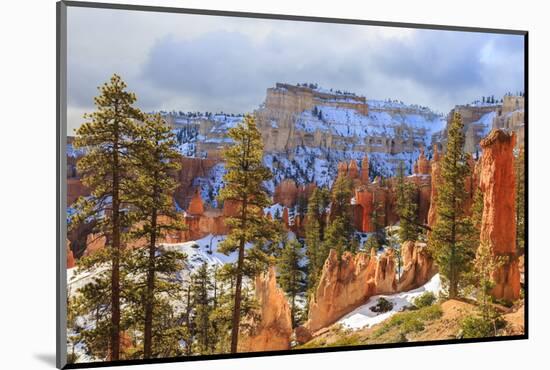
<point x="148" y="329"/>
<point x="115" y="273"/>
<point x="237" y="305"/>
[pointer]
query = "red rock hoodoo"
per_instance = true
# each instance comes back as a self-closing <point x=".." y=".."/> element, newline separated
<point x="196" y="206"/>
<point x="70" y="256"/>
<point x="498" y="224"/>
<point x="365" y="170"/>
<point x="347" y="283"/>
<point x="273" y="329"/>
<point x="422" y="164"/>
<point x="286" y="193"/>
<point x="418" y="266"/>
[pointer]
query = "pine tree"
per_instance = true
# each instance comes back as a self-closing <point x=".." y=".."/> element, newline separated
<point x="244" y="186"/>
<point x="291" y="274"/>
<point x="337" y="237"/>
<point x="222" y="314"/>
<point x="477" y="210"/>
<point x="314" y="230"/>
<point x="203" y="307"/>
<point x="372" y="243"/>
<point x="487" y="320"/>
<point x="340" y="199"/>
<point x="154" y="156"/>
<point x="106" y="166"/>
<point x="339" y="233"/>
<point x="407" y="208"/>
<point x="451" y="240"/>
<point x="378" y="213"/>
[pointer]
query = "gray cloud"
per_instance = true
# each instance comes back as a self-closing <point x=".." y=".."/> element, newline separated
<point x="184" y="62"/>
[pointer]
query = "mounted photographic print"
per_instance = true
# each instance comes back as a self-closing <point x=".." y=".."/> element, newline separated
<point x="239" y="184"/>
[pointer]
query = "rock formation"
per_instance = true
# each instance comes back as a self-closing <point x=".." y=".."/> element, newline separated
<point x="272" y="330"/>
<point x="349" y="282"/>
<point x="94" y="243"/>
<point x="365" y="170"/>
<point x="70" y="256"/>
<point x="422" y="165"/>
<point x="196" y="205"/>
<point x="498" y="225"/>
<point x="477" y="120"/>
<point x="286" y="193"/>
<point x="344" y="285"/>
<point x="353" y="170"/>
<point x="191" y="168"/>
<point x="418" y="266"/>
<point x="511" y="117"/>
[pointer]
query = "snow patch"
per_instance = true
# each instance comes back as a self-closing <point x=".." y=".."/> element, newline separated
<point x="363" y="317"/>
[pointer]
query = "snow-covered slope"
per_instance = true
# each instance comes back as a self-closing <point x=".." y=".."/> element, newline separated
<point x="363" y="316"/>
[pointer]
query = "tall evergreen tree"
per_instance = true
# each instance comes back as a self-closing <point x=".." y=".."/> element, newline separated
<point x="378" y="214"/>
<point x="451" y="240"/>
<point x="291" y="274"/>
<point x="106" y="167"/>
<point x="340" y="199"/>
<point x="407" y="208"/>
<point x="339" y="233"/>
<point x="155" y="157"/>
<point x="338" y="237"/>
<point x="314" y="230"/>
<point x="203" y="307"/>
<point x="244" y="186"/>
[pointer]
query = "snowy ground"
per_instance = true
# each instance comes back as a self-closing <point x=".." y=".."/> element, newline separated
<point x="363" y="317"/>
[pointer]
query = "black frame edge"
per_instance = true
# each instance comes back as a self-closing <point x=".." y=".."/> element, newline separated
<point x="241" y="14"/>
<point x="61" y="184"/>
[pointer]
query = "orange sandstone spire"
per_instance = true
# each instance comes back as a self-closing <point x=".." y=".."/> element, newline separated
<point x="196" y="206"/>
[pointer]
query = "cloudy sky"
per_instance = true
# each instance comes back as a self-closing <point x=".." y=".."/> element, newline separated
<point x="210" y="63"/>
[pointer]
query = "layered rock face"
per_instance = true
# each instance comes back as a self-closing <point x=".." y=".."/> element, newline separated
<point x="381" y="196"/>
<point x="272" y="330"/>
<point x="285" y="102"/>
<point x="511" y="117"/>
<point x="418" y="266"/>
<point x="286" y="193"/>
<point x="498" y="225"/>
<point x="191" y="168"/>
<point x="344" y="285"/>
<point x="349" y="282"/>
<point x="477" y="120"/>
<point x="294" y="116"/>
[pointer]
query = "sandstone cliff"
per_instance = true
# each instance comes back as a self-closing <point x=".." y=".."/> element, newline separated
<point x="349" y="282"/>
<point x="418" y="266"/>
<point x="273" y="328"/>
<point x="498" y="225"/>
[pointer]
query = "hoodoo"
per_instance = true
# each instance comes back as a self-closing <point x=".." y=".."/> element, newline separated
<point x="273" y="329"/>
<point x="498" y="225"/>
